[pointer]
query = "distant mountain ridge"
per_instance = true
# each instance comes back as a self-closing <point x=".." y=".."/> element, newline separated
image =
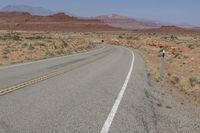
<point x="116" y="20"/>
<point x="113" y="20"/>
<point x="57" y="22"/>
<point x="39" y="11"/>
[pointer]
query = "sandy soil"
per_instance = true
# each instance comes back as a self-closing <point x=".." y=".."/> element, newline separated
<point x="17" y="47"/>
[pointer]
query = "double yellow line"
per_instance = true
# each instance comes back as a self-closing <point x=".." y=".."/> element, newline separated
<point x="48" y="76"/>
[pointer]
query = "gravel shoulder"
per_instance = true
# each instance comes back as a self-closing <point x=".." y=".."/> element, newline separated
<point x="149" y="107"/>
<point x="174" y="111"/>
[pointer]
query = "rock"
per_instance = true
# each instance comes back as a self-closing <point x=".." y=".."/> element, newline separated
<point x="185" y="62"/>
<point x="175" y="79"/>
<point x="185" y="56"/>
<point x="194" y="81"/>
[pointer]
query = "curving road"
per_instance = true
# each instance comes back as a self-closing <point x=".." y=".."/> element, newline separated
<point x="99" y="91"/>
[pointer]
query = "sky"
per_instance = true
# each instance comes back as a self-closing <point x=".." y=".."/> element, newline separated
<point x="169" y="11"/>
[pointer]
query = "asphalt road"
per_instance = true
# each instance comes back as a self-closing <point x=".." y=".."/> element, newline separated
<point x="99" y="91"/>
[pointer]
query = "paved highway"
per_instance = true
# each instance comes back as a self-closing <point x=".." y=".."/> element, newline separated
<point x="95" y="92"/>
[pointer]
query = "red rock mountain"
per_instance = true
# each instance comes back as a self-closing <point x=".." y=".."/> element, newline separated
<point x="57" y="22"/>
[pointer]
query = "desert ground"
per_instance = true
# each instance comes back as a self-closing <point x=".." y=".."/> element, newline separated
<point x="17" y="47"/>
<point x="181" y="64"/>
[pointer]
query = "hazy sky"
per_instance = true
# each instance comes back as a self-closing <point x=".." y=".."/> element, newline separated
<point x="172" y="11"/>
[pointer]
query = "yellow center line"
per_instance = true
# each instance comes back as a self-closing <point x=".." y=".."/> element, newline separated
<point x="47" y="76"/>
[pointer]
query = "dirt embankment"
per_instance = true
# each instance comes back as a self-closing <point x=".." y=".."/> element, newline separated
<point x="170" y="29"/>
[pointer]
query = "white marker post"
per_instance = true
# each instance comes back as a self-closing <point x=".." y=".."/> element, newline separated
<point x="30" y="51"/>
<point x="162" y="63"/>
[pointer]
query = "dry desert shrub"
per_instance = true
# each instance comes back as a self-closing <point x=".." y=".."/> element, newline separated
<point x="184" y="84"/>
<point x="15" y="46"/>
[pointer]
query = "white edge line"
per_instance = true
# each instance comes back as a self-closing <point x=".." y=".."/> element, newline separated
<point x="113" y="111"/>
<point x="43" y="60"/>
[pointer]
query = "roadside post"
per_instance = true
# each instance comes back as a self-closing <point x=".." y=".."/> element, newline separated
<point x="162" y="64"/>
<point x="30" y="48"/>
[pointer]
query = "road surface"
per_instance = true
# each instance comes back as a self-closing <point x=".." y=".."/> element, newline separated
<point x="99" y="91"/>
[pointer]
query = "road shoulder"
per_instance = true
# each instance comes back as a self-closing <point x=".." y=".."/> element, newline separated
<point x="150" y="107"/>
